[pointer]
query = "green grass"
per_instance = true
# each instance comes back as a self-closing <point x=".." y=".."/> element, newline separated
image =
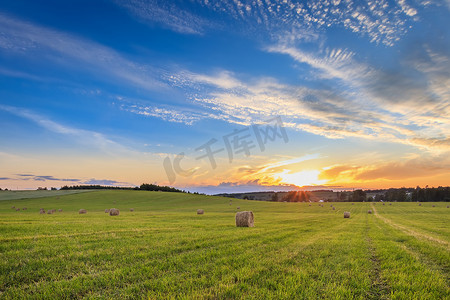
<point x="164" y="250"/>
<point x="15" y="195"/>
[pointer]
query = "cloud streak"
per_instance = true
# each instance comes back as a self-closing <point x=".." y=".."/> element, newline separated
<point x="166" y="14"/>
<point x="86" y="137"/>
<point x="380" y="21"/>
<point x="419" y="167"/>
<point x="48" y="45"/>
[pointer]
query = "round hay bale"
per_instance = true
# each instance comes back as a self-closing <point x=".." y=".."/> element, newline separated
<point x="369" y="211"/>
<point x="82" y="211"/>
<point x="434" y="205"/>
<point x="230" y="203"/>
<point x="238" y="207"/>
<point x="106" y="211"/>
<point x="334" y="208"/>
<point x="50" y="212"/>
<point x="42" y="211"/>
<point x="346" y="214"/>
<point x="114" y="212"/>
<point x="383" y="203"/>
<point x="420" y="204"/>
<point x="390" y="203"/>
<point x="24" y="208"/>
<point x="60" y="210"/>
<point x="245" y="219"/>
<point x="17" y="209"/>
<point x="131" y="209"/>
<point x="200" y="211"/>
<point x="353" y="203"/>
<point x="448" y="206"/>
<point x="13" y="207"/>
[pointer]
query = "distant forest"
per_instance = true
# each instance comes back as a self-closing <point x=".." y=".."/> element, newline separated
<point x="143" y="187"/>
<point x="390" y="195"/>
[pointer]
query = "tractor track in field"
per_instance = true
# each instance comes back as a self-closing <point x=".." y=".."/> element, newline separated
<point x="427" y="261"/>
<point x="379" y="289"/>
<point x="411" y="232"/>
<point x="413" y="251"/>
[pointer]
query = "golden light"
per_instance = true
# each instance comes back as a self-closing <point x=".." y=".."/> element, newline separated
<point x="302" y="178"/>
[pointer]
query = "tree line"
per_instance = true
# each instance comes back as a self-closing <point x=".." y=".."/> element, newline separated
<point x="418" y="194"/>
<point x="142" y="187"/>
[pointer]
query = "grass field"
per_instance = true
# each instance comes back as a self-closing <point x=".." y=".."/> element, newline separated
<point x="14" y="195"/>
<point x="165" y="250"/>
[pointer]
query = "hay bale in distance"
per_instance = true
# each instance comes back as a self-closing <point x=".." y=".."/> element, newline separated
<point x="434" y="205"/>
<point x="420" y="204"/>
<point x="200" y="211"/>
<point x="114" y="212"/>
<point x="42" y="211"/>
<point x="334" y="208"/>
<point x="369" y="211"/>
<point x="24" y="208"/>
<point x="346" y="214"/>
<point x="106" y="211"/>
<point x="13" y="207"/>
<point x="82" y="211"/>
<point x="60" y="210"/>
<point x="245" y="219"/>
<point x="17" y="209"/>
<point x="50" y="211"/>
<point x="131" y="209"/>
<point x="238" y="207"/>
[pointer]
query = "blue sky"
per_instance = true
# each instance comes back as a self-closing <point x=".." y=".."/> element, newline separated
<point x="104" y="91"/>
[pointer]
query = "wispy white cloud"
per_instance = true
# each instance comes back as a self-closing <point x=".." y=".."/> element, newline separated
<point x="85" y="137"/>
<point x="167" y="114"/>
<point x="40" y="44"/>
<point x="354" y="110"/>
<point x="381" y="21"/>
<point x="166" y="14"/>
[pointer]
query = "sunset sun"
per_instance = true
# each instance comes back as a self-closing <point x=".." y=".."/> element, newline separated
<point x="302" y="178"/>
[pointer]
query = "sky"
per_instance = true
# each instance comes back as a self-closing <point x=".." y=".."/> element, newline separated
<point x="225" y="96"/>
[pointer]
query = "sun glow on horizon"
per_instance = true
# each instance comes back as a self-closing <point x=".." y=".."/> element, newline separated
<point x="302" y="178"/>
